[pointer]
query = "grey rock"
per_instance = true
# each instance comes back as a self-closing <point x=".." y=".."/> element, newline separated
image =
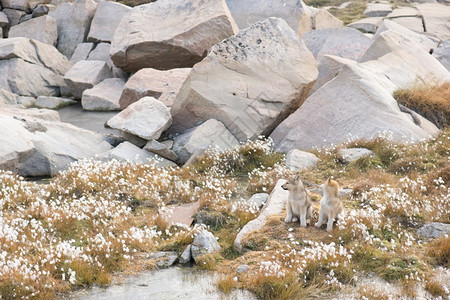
<point x="242" y="269"/>
<point x="24" y="5"/>
<point x="378" y="9"/>
<point x="186" y="256"/>
<point x="434" y="230"/>
<point x="106" y="19"/>
<point x="160" y="149"/>
<point x="436" y="18"/>
<point x="40" y="10"/>
<point x="212" y="133"/>
<point x="128" y="152"/>
<point x="147" y="118"/>
<point x="73" y="21"/>
<point x="104" y="96"/>
<point x="53" y="102"/>
<point x="204" y="243"/>
<point x="25" y="18"/>
<point x="262" y="86"/>
<point x="81" y="52"/>
<point x="329" y="68"/>
<point x="352" y="154"/>
<point x="13" y="16"/>
<point x="42" y="29"/>
<point x="152" y="36"/>
<point x="367" y="24"/>
<point x="135" y="140"/>
<point x="7" y="97"/>
<point x="85" y="74"/>
<point x="26" y="102"/>
<point x="297" y="160"/>
<point x="442" y="54"/>
<point x="4" y="22"/>
<point x="164" y="259"/>
<point x="101" y="52"/>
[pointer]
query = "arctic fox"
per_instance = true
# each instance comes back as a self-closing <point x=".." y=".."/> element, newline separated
<point x="298" y="204"/>
<point x="330" y="205"/>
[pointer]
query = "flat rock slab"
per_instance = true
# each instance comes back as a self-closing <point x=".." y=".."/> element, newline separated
<point x="170" y="34"/>
<point x="378" y="9"/>
<point x="147" y="119"/>
<point x="369" y="25"/>
<point x="274" y="206"/>
<point x="246" y="82"/>
<point x="434" y="230"/>
<point x="436" y="18"/>
<point x="53" y="102"/>
<point x="161" y="149"/>
<point x="106" y="19"/>
<point x="85" y="74"/>
<point x="182" y="214"/>
<point x="81" y="52"/>
<point x="103" y="96"/>
<point x="42" y="29"/>
<point x="163" y="85"/>
<point x="329" y="68"/>
<point x="164" y="259"/>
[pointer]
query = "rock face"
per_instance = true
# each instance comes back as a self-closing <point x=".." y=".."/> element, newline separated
<point x="42" y="29"/>
<point x="73" y="21"/>
<point x="245" y="13"/>
<point x="211" y="133"/>
<point x="246" y="82"/>
<point x="103" y="96"/>
<point x="434" y="230"/>
<point x="273" y="206"/>
<point x="352" y="154"/>
<point x="363" y="109"/>
<point x="204" y="243"/>
<point x="162" y="85"/>
<point x="81" y="52"/>
<point x="85" y="74"/>
<point x="343" y="42"/>
<point x="106" y="19"/>
<point x="329" y="67"/>
<point x="436" y="18"/>
<point x="147" y="119"/>
<point x="31" y="68"/>
<point x="170" y="34"/>
<point x="53" y="102"/>
<point x="297" y="160"/>
<point x="33" y="147"/>
<point x="442" y="54"/>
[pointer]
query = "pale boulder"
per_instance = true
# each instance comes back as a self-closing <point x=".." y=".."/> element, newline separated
<point x="166" y="35"/>
<point x="73" y="21"/>
<point x="24" y="5"/>
<point x="246" y="81"/>
<point x="101" y="52"/>
<point x="204" y="243"/>
<point x="363" y="109"/>
<point x="53" y="102"/>
<point x="14" y="17"/>
<point x="85" y="74"/>
<point x="81" y="52"/>
<point x="161" y="149"/>
<point x="369" y="25"/>
<point x="212" y="133"/>
<point x="147" y="118"/>
<point x="42" y="29"/>
<point x="106" y="19"/>
<point x="103" y="96"/>
<point x="378" y="9"/>
<point x="329" y="68"/>
<point x="4" y="22"/>
<point x="442" y="54"/>
<point x="297" y="160"/>
<point x="436" y="19"/>
<point x="352" y="154"/>
<point x="162" y="85"/>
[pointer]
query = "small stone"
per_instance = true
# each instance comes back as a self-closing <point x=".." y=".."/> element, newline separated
<point x="434" y="230"/>
<point x="242" y="269"/>
<point x="186" y="256"/>
<point x="352" y="154"/>
<point x="258" y="199"/>
<point x="204" y="243"/>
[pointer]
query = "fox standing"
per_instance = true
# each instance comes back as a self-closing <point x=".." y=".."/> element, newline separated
<point x="330" y="205"/>
<point x="298" y="204"/>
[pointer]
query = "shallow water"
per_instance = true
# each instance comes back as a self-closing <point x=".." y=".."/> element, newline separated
<point x="172" y="283"/>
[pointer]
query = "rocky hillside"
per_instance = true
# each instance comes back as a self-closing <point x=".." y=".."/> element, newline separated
<point x="190" y="107"/>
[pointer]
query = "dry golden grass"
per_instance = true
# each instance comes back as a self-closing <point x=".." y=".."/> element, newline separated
<point x="430" y="100"/>
<point x="435" y="288"/>
<point x="439" y="251"/>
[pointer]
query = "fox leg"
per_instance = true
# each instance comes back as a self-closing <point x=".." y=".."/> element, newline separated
<point x="321" y="218"/>
<point x="303" y="211"/>
<point x="288" y="213"/>
<point x="308" y="215"/>
<point x="330" y="221"/>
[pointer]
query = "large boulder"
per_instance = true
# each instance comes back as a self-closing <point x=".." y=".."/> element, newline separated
<point x="103" y="96"/>
<point x="343" y="42"/>
<point x="378" y="9"/>
<point x="101" y="52"/>
<point x="14" y="17"/>
<point x="364" y="108"/>
<point x="147" y="119"/>
<point x="436" y="19"/>
<point x="297" y="160"/>
<point x="24" y="5"/>
<point x="160" y="149"/>
<point x="105" y="21"/>
<point x="162" y="85"/>
<point x="73" y="21"/>
<point x="34" y="147"/>
<point x="315" y="18"/>
<point x="212" y="133"/>
<point x="246" y="81"/>
<point x="245" y="13"/>
<point x="4" y="22"/>
<point x="81" y="52"/>
<point x="169" y="34"/>
<point x="329" y="67"/>
<point x="42" y="29"/>
<point x="85" y="74"/>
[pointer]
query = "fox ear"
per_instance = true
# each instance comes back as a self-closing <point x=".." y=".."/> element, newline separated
<point x="297" y="177"/>
<point x="328" y="180"/>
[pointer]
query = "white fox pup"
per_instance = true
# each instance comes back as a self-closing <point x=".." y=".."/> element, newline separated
<point x="330" y="205"/>
<point x="298" y="204"/>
